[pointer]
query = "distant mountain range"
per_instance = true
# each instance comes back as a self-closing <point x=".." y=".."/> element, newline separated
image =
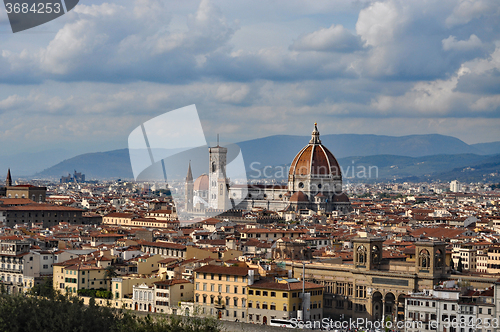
<point x="405" y="157"/>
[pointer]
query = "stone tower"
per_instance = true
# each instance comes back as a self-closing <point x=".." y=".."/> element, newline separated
<point x="430" y="258"/>
<point x="217" y="192"/>
<point x="367" y="252"/>
<point x="8" y="180"/>
<point x="189" y="189"/>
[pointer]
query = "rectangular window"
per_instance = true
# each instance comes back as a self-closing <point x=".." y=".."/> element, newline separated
<point x="285" y="295"/>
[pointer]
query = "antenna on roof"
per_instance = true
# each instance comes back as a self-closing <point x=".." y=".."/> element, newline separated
<point x="217" y="139"/>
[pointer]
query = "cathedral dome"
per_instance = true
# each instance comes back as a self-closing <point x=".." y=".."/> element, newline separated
<point x="201" y="183"/>
<point x="315" y="159"/>
<point x="341" y="198"/>
<point x="299" y="196"/>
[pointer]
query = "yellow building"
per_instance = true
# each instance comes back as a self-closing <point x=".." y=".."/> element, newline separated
<point x="222" y="291"/>
<point x="281" y="299"/>
<point x="170" y="293"/>
<point x="77" y="276"/>
<point x="123" y="288"/>
<point x="148" y="264"/>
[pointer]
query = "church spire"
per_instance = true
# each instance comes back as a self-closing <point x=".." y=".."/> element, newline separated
<point x="315" y="135"/>
<point x="189" y="177"/>
<point x="8" y="180"/>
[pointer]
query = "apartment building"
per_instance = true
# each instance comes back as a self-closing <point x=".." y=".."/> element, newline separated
<point x="493" y="260"/>
<point x="170" y="293"/>
<point x="165" y="249"/>
<point x="283" y="299"/>
<point x="467" y="253"/>
<point x="221" y="291"/>
<point x="452" y="310"/>
<point x="80" y="273"/>
<point x="48" y="215"/>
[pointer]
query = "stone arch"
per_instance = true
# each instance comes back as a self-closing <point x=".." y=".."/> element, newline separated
<point x="361" y="254"/>
<point x="424" y="258"/>
<point x="377" y="305"/>
<point x="439" y="258"/>
<point x="390" y="304"/>
<point x="376" y="254"/>
<point x="401" y="307"/>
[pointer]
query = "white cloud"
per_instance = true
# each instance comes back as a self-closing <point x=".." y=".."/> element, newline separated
<point x="441" y="97"/>
<point x="232" y="93"/>
<point x="207" y="31"/>
<point x="467" y="10"/>
<point x="378" y="24"/>
<point x="487" y="103"/>
<point x="334" y="38"/>
<point x="451" y="43"/>
<point x="399" y="67"/>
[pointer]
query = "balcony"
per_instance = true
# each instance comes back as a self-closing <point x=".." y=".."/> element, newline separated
<point x="15" y="270"/>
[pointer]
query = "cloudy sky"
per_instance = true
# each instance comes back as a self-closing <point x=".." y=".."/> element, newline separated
<point x="253" y="68"/>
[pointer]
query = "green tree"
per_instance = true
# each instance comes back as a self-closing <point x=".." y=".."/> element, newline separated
<point x="66" y="313"/>
<point x="44" y="289"/>
<point x="460" y="265"/>
<point x="109" y="274"/>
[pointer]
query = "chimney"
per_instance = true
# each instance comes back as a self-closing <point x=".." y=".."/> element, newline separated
<point x="251" y="276"/>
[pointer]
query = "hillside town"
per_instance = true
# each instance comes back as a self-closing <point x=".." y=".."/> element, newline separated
<point x="407" y="251"/>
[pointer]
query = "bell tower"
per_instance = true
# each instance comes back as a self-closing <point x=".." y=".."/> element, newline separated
<point x="430" y="258"/>
<point x="8" y="180"/>
<point x="367" y="252"/>
<point x="217" y="187"/>
<point x="189" y="189"/>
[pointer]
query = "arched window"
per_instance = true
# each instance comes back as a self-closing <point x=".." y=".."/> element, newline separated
<point x="375" y="254"/>
<point x="361" y="253"/>
<point x="424" y="258"/>
<point x="214" y="168"/>
<point x="438" y="260"/>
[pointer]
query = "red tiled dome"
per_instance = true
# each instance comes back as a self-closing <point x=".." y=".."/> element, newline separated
<point x="299" y="196"/>
<point x="341" y="198"/>
<point x="314" y="159"/>
<point x="201" y="183"/>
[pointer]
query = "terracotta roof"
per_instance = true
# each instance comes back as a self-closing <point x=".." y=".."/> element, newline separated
<point x="299" y="196"/>
<point x="201" y="183"/>
<point x="166" y="245"/>
<point x="227" y="270"/>
<point x="266" y="284"/>
<point x="171" y="282"/>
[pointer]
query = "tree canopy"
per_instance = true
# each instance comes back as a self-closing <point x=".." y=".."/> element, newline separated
<point x="64" y="313"/>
